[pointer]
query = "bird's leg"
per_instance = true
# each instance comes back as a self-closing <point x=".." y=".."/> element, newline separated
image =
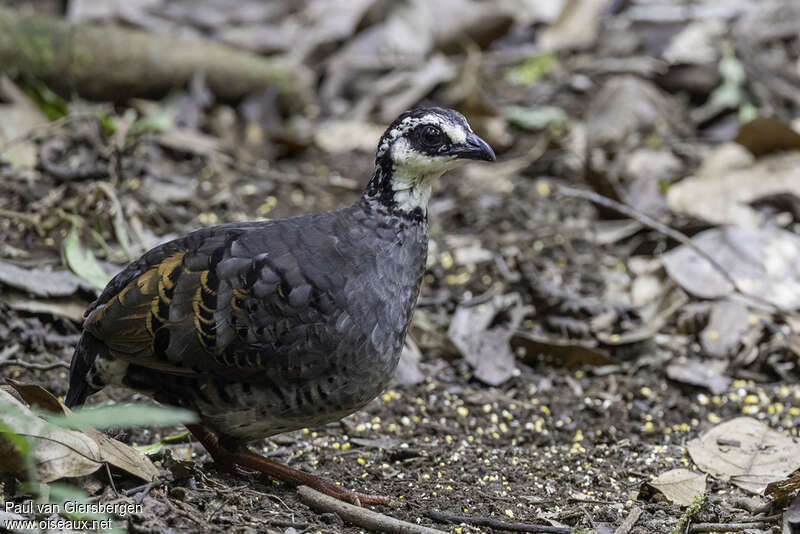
<point x="246" y="458"/>
<point x="211" y="444"/>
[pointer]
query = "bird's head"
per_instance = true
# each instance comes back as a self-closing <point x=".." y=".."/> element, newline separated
<point x="416" y="149"/>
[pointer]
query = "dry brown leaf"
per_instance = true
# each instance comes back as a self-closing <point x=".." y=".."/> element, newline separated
<point x="337" y="136"/>
<point x="727" y="324"/>
<point x="680" y="486"/>
<point x="747" y="452"/>
<point x="767" y="134"/>
<point x="70" y="307"/>
<point x="17" y="119"/>
<point x="707" y="374"/>
<point x="39" y="281"/>
<point x="57" y="452"/>
<point x="576" y="27"/>
<point x="110" y="450"/>
<point x="729" y="180"/>
<point x="762" y="261"/>
<point x="486" y="349"/>
<point x="569" y="353"/>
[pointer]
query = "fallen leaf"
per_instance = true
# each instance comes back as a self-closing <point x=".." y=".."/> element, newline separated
<point x="763" y="135"/>
<point x="71" y="308"/>
<point x="486" y="349"/>
<point x="114" y="452"/>
<point x="82" y="261"/>
<point x="535" y="118"/>
<point x="57" y="452"/>
<point x="336" y="136"/>
<point x="707" y="374"/>
<point x="762" y="261"/>
<point x="17" y="119"/>
<point x="39" y="281"/>
<point x="729" y="320"/>
<point x="697" y="43"/>
<point x="529" y="347"/>
<point x="729" y="180"/>
<point x="576" y="27"/>
<point x="747" y="452"/>
<point x="680" y="486"/>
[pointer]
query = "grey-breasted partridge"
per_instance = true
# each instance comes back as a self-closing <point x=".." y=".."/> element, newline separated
<point x="272" y="326"/>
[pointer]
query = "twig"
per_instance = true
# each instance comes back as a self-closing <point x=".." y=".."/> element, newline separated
<point x="360" y="516"/>
<point x="140" y="492"/>
<point x="8" y="351"/>
<point x="631" y="520"/>
<point x="653" y="224"/>
<point x="34" y="366"/>
<point x="482" y="521"/>
<point x="726" y="527"/>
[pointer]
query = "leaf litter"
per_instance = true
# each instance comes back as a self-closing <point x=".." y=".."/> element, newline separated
<point x="597" y="384"/>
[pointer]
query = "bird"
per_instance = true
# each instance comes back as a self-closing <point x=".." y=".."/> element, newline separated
<point x="267" y="327"/>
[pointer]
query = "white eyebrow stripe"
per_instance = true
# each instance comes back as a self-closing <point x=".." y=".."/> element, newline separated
<point x="455" y="132"/>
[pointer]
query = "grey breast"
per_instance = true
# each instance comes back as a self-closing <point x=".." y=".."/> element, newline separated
<point x="377" y="261"/>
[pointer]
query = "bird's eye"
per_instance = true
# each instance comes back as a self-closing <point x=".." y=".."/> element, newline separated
<point x="431" y="135"/>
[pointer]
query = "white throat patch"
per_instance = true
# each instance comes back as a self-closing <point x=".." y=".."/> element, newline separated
<point x="414" y="174"/>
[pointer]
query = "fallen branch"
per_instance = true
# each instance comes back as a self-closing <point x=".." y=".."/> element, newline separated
<point x="35" y="366"/>
<point x="726" y="527"/>
<point x="111" y="62"/>
<point x="481" y="521"/>
<point x="360" y="516"/>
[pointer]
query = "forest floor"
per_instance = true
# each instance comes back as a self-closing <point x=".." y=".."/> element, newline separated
<point x="564" y="360"/>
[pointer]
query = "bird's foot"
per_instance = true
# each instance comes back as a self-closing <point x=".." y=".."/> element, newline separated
<point x="283" y="472"/>
<point x="232" y="461"/>
<point x="330" y="488"/>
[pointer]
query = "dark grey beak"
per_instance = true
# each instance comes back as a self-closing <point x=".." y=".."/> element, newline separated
<point x="475" y="148"/>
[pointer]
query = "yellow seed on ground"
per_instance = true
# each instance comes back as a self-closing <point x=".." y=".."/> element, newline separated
<point x="462" y="411"/>
<point x="543" y="188"/>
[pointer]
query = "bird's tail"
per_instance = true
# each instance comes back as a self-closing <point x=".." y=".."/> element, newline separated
<point x="89" y="347"/>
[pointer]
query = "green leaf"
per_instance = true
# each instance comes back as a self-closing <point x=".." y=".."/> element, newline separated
<point x="82" y="262"/>
<point x="124" y="416"/>
<point x="52" y="105"/>
<point x="154" y="448"/>
<point x="535" y="118"/>
<point x="19" y="442"/>
<point x="160" y="121"/>
<point x="531" y="70"/>
<point x="150" y="448"/>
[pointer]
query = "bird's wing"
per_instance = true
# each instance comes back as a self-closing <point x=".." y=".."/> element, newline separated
<point x="234" y="301"/>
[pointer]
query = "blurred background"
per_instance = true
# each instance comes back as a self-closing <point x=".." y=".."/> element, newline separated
<point x="585" y="349"/>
